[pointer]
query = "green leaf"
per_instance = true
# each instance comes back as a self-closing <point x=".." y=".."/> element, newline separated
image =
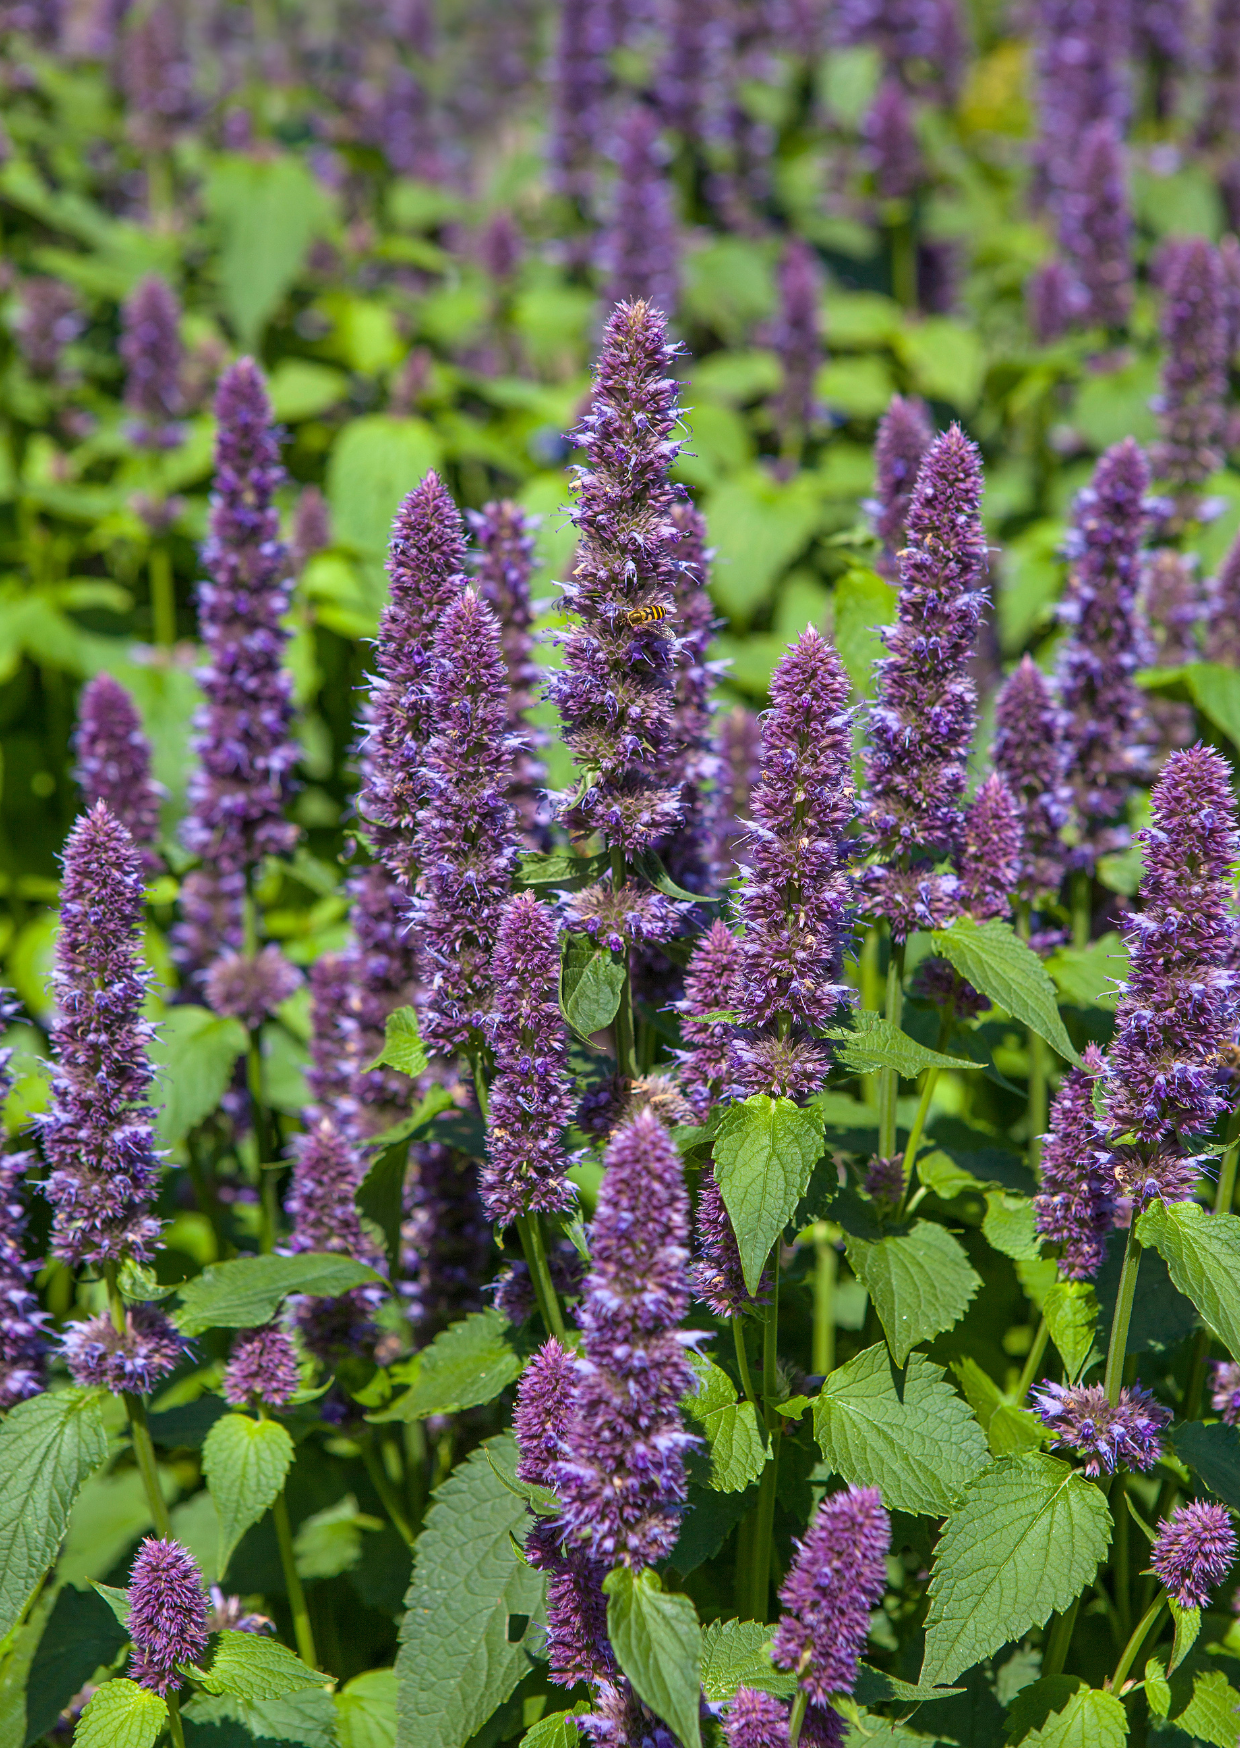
<point x="48" y="1446"/>
<point x="375" y="462"/>
<point x="246" y="1292"/>
<point x="1202" y="1254"/>
<point x="269" y="210"/>
<point x="308" y="1718"/>
<point x="709" y="1519"/>
<point x="739" y="1447"/>
<point x="561" y="868"/>
<point x="874" y="1687"/>
<point x="455" y="1664"/>
<point x="1086" y="976"/>
<point x="649" y="865"/>
<point x="1187" y="1627"/>
<point x="861" y="602"/>
<point x="121" y="1715"/>
<point x="765" y="1153"/>
<point x="1008" y="1226"/>
<point x="330" y="1542"/>
<point x="380" y="1195"/>
<point x="193" y="1053"/>
<point x="1008" y="1428"/>
<point x="1071" y="1313"/>
<point x="738" y="1654"/>
<point x="873" y="1042"/>
<point x="1214" y="1452"/>
<point x="366" y="1710"/>
<point x="920" y="1283"/>
<point x="1025" y="1540"/>
<point x="436" y="1100"/>
<point x="1201" y="1703"/>
<point x="658" y="1644"/>
<point x="1064" y="1713"/>
<point x="402" y="1044"/>
<point x="250" y="1666"/>
<point x="245" y="1462"/>
<point x="591" y="982"/>
<point x="1213" y="686"/>
<point x="116" y="1599"/>
<point x="79" y="1635"/>
<point x="993" y="959"/>
<point x="468" y="1363"/>
<point x="920" y="1446"/>
<point x="556" y="1730"/>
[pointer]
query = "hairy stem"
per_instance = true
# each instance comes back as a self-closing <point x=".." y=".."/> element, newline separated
<point x="1032" y="1364"/>
<point x="1060" y="1638"/>
<point x="888" y="1079"/>
<point x="292" y="1582"/>
<point x="826" y="1267"/>
<point x="139" y="1431"/>
<point x="529" y="1230"/>
<point x="919" y="1123"/>
<point x="176" y="1729"/>
<point x="1139" y="1634"/>
<point x="163" y="597"/>
<point x="797" y="1718"/>
<point x="742" y="1361"/>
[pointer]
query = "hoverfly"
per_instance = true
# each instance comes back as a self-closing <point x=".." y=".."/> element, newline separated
<point x="645" y="615"/>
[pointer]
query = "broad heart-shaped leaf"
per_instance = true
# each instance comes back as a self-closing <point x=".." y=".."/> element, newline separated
<point x="245" y="1462"/>
<point x="1026" y="1538"/>
<point x="993" y="958"/>
<point x="1061" y="1712"/>
<point x="269" y="210"/>
<point x="252" y="1666"/>
<point x="920" y="1282"/>
<point x="194" y="1053"/>
<point x="1213" y="1451"/>
<point x="1071" y="1313"/>
<point x="121" y="1715"/>
<point x="556" y="1730"/>
<point x="308" y="1718"/>
<point x="591" y="982"/>
<point x="402" y="1043"/>
<point x="247" y="1291"/>
<point x="920" y="1447"/>
<point x="1201" y="1703"/>
<point x="873" y="1042"/>
<point x="561" y="868"/>
<point x="658" y="1644"/>
<point x="455" y="1664"/>
<point x="468" y="1363"/>
<point x="739" y="1448"/>
<point x="372" y="463"/>
<point x="80" y="1633"/>
<point x="765" y="1153"/>
<point x="738" y="1654"/>
<point x="1202" y="1254"/>
<point x="1213" y="686"/>
<point x="48" y="1446"/>
<point x="366" y="1710"/>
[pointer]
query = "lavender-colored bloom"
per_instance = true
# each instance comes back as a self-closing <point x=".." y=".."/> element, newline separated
<point x="755" y="1719"/>
<point x="426" y="564"/>
<point x="49" y="318"/>
<point x="512" y="1290"/>
<point x="329" y="1075"/>
<point x="797" y="341"/>
<point x="711" y="986"/>
<point x="228" y="1614"/>
<point x="1029" y="755"/>
<point x="312" y="529"/>
<point x="446" y="1238"/>
<point x="738" y="756"/>
<point x="891" y="143"/>
<point x="990" y="855"/>
<point x="580" y="84"/>
<point x="466" y="843"/>
<point x="919" y="38"/>
<point x="1104" y="711"/>
<point x="622" y="1478"/>
<point x="619" y="919"/>
<point x="327" y="1169"/>
<point x="97" y="1134"/>
<point x="641" y="246"/>
<point x="1054" y="300"/>
<point x="1076" y="1206"/>
<point x="134" y="1358"/>
<point x="499" y="250"/>
<point x="1180" y="1001"/>
<point x="717" y="1276"/>
<point x="1172" y="607"/>
<point x="684" y="77"/>
<point x="1193" y="1552"/>
<point x="904" y="436"/>
<point x="884" y="1179"/>
<point x="794" y="901"/>
<point x="383" y="977"/>
<point x="838" y="1574"/>
<point x="1084" y="1420"/>
<point x="1229" y="268"/>
<point x="690" y="761"/>
<point x="1192" y="401"/>
<point x="1160" y="38"/>
<point x="156" y="75"/>
<point x="1080" y="65"/>
<point x="1225" y="1390"/>
<point x="167" y="1613"/>
<point x="22" y="1339"/>
<point x="532" y="1093"/>
<point x="1095" y="227"/>
<point x="153" y="355"/>
<point x="505" y="537"/>
<point x="262" y="1368"/>
<point x="921" y="722"/>
<point x="243" y="737"/>
<point x="1222" y="637"/>
<point x="114" y="763"/>
<point x="212" y="920"/>
<point x="250" y="989"/>
<point x="1222" y="101"/>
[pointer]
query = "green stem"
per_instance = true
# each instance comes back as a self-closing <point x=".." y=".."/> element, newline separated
<point x="1123" y="1556"/>
<point x="1037" y="1102"/>
<point x="764" y="1514"/>
<point x="176" y="1728"/>
<point x="1117" y="1351"/>
<point x="871" y="996"/>
<point x="826" y="1268"/>
<point x="919" y="1123"/>
<point x="139" y="1431"/>
<point x="480" y="1088"/>
<point x="1030" y="1371"/>
<point x="624" y="1013"/>
<point x="296" y="1595"/>
<point x="1056" y="1652"/>
<point x="1082" y="908"/>
<point x="1139" y="1634"/>
<point x="529" y="1230"/>
<point x="258" y="1119"/>
<point x="742" y="1361"/>
<point x="904" y="264"/>
<point x="163" y="597"/>
<point x="382" y="1483"/>
<point x="888" y="1079"/>
<point x="797" y="1718"/>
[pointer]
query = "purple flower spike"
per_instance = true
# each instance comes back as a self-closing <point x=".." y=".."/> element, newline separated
<point x="114" y="763"/>
<point x="1053" y="300"/>
<point x="505" y="537"/>
<point x="1080" y="61"/>
<point x="1095" y="227"/>
<point x="641" y="248"/>
<point x="738" y="753"/>
<point x="97" y="1134"/>
<point x="1029" y="755"/>
<point x="135" y="1358"/>
<point x="838" y="1574"/>
<point x="581" y="79"/>
<point x="152" y="353"/>
<point x="894" y="154"/>
<point x="49" y="319"/>
<point x="382" y="977"/>
<point x="1076" y="1206"/>
<point x="758" y="1720"/>
<point x="904" y="435"/>
<point x="1223" y="610"/>
<point x="466" y="845"/>
<point x="622" y="1478"/>
<point x="1192" y="404"/>
<point x="614" y="691"/>
<point x="426" y="565"/>
<point x="312" y="528"/>
<point x="167" y="1613"/>
<point x="329" y="1075"/>
<point x="1083" y="1420"/>
<point x="798" y="344"/>
<point x="250" y="990"/>
<point x="1104" y="712"/>
<point x="921" y="723"/>
<point x="23" y="1341"/>
<point x="1181" y="998"/>
<point x="711" y="986"/>
<point x="621" y="919"/>
<point x="1193" y="1552"/>
<point x="544" y="1399"/>
<point x="1225" y="1391"/>
<point x="262" y="1368"/>
<point x="327" y="1170"/>
<point x="691" y="762"/>
<point x="717" y="1276"/>
<point x="990" y="857"/>
<point x="446" y="1239"/>
<point x="532" y="1095"/>
<point x="243" y="733"/>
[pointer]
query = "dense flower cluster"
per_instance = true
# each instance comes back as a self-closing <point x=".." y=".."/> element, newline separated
<point x="167" y="1613"/>
<point x="505" y="538"/>
<point x="712" y="984"/>
<point x="1029" y="755"/>
<point x="134" y="1357"/>
<point x="23" y="1341"/>
<point x="838" y="1574"/>
<point x="690" y="762"/>
<point x="262" y="1368"/>
<point x="1105" y="1434"/>
<point x="152" y="354"/>
<point x="114" y="763"/>
<point x="1076" y="1206"/>
<point x="904" y="435"/>
<point x="1194" y="1551"/>
<point x="1191" y="404"/>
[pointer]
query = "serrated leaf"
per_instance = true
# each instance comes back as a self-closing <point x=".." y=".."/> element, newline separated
<point x="708" y="1520"/>
<point x="1008" y="1226"/>
<point x="872" y="1042"/>
<point x="1061" y="1712"/>
<point x="1213" y="1451"/>
<point x="1202" y="1254"/>
<point x="920" y="1447"/>
<point x="738" y="1654"/>
<point x="468" y="1363"/>
<point x="455" y="1664"/>
<point x="875" y="1687"/>
<point x="920" y="1282"/>
<point x="556" y="1730"/>
<point x="366" y="1710"/>
<point x="539" y="1499"/>
<point x="1187" y="1623"/>
<point x="246" y="1292"/>
<point x="121" y="1715"/>
<point x="765" y="1153"/>
<point x="591" y="983"/>
<point x="1025" y="1540"/>
<point x="993" y="958"/>
<point x="1157" y="1688"/>
<point x="308" y="1718"/>
<point x="79" y="1635"/>
<point x="48" y="1446"/>
<point x="1200" y="1702"/>
<point x="403" y="1048"/>
<point x="561" y="868"/>
<point x="435" y="1101"/>
<point x="250" y="1666"/>
<point x="658" y="1644"/>
<point x="193" y="1053"/>
<point x="739" y="1446"/>
<point x="1071" y="1313"/>
<point x="116" y="1599"/>
<point x="245" y="1462"/>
